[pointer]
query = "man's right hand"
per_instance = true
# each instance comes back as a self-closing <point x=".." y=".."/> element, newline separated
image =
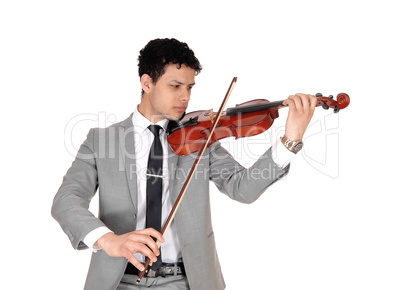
<point x="131" y="243"/>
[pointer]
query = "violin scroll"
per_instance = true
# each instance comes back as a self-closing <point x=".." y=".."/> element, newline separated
<point x="342" y="101"/>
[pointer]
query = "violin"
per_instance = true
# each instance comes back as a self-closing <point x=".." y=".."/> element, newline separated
<point x="198" y="130"/>
<point x="244" y="120"/>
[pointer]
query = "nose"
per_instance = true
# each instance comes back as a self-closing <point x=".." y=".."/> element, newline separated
<point x="185" y="95"/>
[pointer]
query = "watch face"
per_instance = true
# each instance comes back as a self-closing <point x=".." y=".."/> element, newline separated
<point x="298" y="147"/>
<point x="292" y="145"/>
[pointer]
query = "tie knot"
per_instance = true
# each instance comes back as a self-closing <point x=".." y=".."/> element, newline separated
<point x="155" y="130"/>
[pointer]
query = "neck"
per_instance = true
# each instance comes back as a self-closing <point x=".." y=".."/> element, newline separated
<point x="145" y="110"/>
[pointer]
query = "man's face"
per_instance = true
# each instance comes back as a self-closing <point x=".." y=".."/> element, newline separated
<point x="169" y="96"/>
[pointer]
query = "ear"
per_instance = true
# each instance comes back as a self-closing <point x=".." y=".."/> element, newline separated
<point x="146" y="83"/>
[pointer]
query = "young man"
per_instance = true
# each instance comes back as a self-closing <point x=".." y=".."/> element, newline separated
<point x="118" y="160"/>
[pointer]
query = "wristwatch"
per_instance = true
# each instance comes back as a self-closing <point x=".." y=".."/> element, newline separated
<point x="292" y="146"/>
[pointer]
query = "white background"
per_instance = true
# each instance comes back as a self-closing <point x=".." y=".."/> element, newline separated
<point x="333" y="223"/>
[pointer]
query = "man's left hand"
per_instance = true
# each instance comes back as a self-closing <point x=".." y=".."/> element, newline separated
<point x="301" y="110"/>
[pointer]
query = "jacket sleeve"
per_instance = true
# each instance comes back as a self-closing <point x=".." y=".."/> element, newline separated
<point x="71" y="203"/>
<point x="243" y="184"/>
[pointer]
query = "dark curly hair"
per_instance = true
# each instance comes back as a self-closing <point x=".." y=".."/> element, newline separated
<point x="160" y="52"/>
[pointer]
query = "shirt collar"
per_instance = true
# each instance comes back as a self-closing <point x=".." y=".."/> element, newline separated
<point x="141" y="123"/>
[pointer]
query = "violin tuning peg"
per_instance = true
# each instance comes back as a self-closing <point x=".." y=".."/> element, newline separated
<point x="318" y="95"/>
<point x="331" y="96"/>
<point x="336" y="109"/>
<point x="325" y="106"/>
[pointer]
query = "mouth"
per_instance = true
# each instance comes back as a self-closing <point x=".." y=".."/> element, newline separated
<point x="180" y="109"/>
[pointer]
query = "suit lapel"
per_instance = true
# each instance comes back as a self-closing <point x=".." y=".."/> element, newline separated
<point x="172" y="165"/>
<point x="126" y="141"/>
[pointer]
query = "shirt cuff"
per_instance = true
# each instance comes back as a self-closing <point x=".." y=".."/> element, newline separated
<point x="93" y="236"/>
<point x="281" y="155"/>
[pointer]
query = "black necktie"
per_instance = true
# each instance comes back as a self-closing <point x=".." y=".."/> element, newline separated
<point x="154" y="186"/>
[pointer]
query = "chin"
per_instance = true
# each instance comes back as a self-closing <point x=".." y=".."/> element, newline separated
<point x="174" y="117"/>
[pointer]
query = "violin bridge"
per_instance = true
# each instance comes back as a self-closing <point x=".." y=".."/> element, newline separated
<point x="211" y="115"/>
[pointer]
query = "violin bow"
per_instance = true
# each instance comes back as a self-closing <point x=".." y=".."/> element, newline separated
<point x="176" y="205"/>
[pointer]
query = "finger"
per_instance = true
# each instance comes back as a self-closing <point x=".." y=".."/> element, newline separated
<point x="143" y="239"/>
<point x="298" y="101"/>
<point x="305" y="101"/>
<point x="153" y="246"/>
<point x="313" y="102"/>
<point x="130" y="257"/>
<point x="154" y="233"/>
<point x="145" y="251"/>
<point x="290" y="103"/>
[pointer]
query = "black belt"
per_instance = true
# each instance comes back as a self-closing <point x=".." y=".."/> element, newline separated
<point x="163" y="270"/>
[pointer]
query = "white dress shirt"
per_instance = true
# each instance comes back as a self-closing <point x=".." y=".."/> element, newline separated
<point x="142" y="141"/>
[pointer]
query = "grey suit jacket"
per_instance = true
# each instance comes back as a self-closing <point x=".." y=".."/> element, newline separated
<point x="106" y="161"/>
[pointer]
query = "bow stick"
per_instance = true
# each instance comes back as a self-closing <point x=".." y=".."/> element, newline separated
<point x="176" y="205"/>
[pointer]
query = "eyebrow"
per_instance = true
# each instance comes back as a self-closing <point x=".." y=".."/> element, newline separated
<point x="181" y="83"/>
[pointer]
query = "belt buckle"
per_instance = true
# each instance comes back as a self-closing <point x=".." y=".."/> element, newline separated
<point x="169" y="270"/>
<point x="151" y="274"/>
<point x="162" y="271"/>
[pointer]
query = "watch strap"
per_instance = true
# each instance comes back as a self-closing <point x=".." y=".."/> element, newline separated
<point x="292" y="146"/>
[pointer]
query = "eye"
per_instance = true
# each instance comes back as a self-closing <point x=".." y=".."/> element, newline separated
<point x="190" y="88"/>
<point x="175" y="86"/>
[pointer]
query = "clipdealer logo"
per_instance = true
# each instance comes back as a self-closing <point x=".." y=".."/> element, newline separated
<point x="86" y="120"/>
<point x="320" y="150"/>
